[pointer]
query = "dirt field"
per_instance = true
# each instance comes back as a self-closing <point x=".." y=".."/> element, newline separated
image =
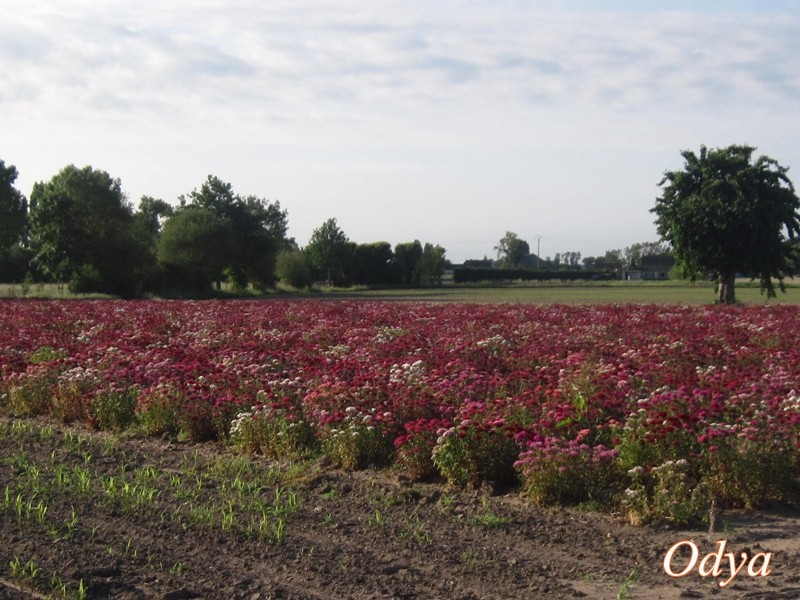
<point x="96" y="516"/>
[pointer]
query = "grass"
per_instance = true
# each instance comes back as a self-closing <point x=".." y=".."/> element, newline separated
<point x="599" y="292"/>
<point x="620" y="292"/>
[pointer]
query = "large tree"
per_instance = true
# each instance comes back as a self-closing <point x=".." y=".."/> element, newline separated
<point x="512" y="250"/>
<point x="431" y="264"/>
<point x="13" y="209"/>
<point x="256" y="231"/>
<point x="724" y="214"/>
<point x="406" y="259"/>
<point x="190" y="248"/>
<point x="14" y="255"/>
<point x="329" y="251"/>
<point x="373" y="264"/>
<point x="82" y="230"/>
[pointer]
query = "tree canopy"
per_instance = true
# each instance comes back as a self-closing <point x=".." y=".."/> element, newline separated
<point x="512" y="250"/>
<point x="13" y="209"/>
<point x="247" y="233"/>
<point x="82" y="232"/>
<point x="724" y="214"/>
<point x="328" y="250"/>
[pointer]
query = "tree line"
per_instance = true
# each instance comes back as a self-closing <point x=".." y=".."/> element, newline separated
<point x="79" y="229"/>
<point x="722" y="215"/>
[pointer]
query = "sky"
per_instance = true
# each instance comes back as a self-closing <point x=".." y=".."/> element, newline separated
<point x="450" y="122"/>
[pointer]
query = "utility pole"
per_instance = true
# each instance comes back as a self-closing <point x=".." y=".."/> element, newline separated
<point x="538" y="250"/>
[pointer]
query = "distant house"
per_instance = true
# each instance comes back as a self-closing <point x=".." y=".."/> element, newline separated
<point x="653" y="267"/>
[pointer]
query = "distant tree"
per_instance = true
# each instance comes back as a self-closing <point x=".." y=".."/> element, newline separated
<point x="482" y="263"/>
<point x="258" y="230"/>
<point x="328" y="251"/>
<point x="13" y="210"/>
<point x="632" y="255"/>
<point x="152" y="212"/>
<point x="291" y="267"/>
<point x="15" y="257"/>
<point x="374" y="264"/>
<point x="82" y="232"/>
<point x="189" y="248"/>
<point x="724" y="213"/>
<point x="571" y="259"/>
<point x="407" y="256"/>
<point x="511" y="250"/>
<point x="430" y="267"/>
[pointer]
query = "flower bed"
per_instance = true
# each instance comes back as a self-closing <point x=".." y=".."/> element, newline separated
<point x="569" y="403"/>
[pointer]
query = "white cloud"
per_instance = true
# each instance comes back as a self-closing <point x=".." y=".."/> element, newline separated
<point x="431" y="104"/>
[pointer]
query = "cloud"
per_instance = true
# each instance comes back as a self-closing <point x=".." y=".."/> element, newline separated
<point x="344" y="99"/>
<point x="288" y="56"/>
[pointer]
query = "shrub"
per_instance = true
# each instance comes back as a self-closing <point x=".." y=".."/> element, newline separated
<point x="668" y="492"/>
<point x="555" y="471"/>
<point x="357" y="441"/>
<point x="273" y="432"/>
<point x="749" y="473"/>
<point x="73" y="393"/>
<point x="415" y="447"/>
<point x="31" y="396"/>
<point x="470" y="454"/>
<point x="114" y="410"/>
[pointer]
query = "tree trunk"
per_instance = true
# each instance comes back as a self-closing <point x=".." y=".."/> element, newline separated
<point x="725" y="288"/>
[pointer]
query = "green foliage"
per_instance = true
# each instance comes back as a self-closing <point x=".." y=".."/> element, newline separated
<point x="274" y="433"/>
<point x="292" y="269"/>
<point x="329" y="251"/>
<point x="669" y="492"/>
<point x="406" y="257"/>
<point x="83" y="232"/>
<point x="15" y="264"/>
<point x="471" y="455"/>
<point x="151" y="212"/>
<point x="13" y="209"/>
<point x="374" y="264"/>
<point x="415" y="456"/>
<point x="511" y="250"/>
<point x="356" y="442"/>
<point x="31" y="397"/>
<point x="85" y="280"/>
<point x="218" y="235"/>
<point x="114" y="410"/>
<point x="430" y="267"/>
<point x="191" y="248"/>
<point x="566" y="474"/>
<point x="749" y="473"/>
<point x="491" y="274"/>
<point x="723" y="214"/>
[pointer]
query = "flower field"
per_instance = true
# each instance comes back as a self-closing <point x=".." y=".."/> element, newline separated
<point x="656" y="411"/>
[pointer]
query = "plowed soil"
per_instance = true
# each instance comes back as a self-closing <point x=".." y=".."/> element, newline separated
<point x="360" y="535"/>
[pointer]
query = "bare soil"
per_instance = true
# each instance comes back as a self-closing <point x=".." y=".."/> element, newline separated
<point x="356" y="535"/>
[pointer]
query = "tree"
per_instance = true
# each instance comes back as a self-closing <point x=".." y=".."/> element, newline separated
<point x="328" y="251"/>
<point x="257" y="230"/>
<point x="406" y="257"/>
<point x="374" y="264"/>
<point x="189" y="248"/>
<point x="724" y="214"/>
<point x="632" y="255"/>
<point x="431" y="265"/>
<point x="82" y="232"/>
<point x="511" y="250"/>
<point x="291" y="267"/>
<point x="13" y="210"/>
<point x="152" y="212"/>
